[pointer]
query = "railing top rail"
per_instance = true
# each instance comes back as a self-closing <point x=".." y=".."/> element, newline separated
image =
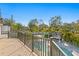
<point x="59" y="48"/>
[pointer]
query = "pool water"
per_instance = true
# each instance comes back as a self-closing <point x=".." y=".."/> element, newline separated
<point x="67" y="52"/>
<point x="43" y="47"/>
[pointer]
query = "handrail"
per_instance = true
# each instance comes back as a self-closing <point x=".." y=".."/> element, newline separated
<point x="33" y="42"/>
<point x="59" y="48"/>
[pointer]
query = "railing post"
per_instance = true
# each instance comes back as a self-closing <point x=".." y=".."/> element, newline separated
<point x="8" y="34"/>
<point x="17" y="34"/>
<point x="50" y="46"/>
<point x="24" y="38"/>
<point x="32" y="43"/>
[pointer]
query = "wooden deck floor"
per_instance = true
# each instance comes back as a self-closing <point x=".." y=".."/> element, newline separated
<point x="14" y="47"/>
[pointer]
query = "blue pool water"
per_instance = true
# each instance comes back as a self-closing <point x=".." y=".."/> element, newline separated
<point x="66" y="49"/>
<point x="67" y="52"/>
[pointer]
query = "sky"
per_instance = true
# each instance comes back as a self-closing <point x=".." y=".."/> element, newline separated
<point x="24" y="12"/>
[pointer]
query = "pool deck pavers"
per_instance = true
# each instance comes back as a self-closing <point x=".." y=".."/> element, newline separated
<point x="14" y="47"/>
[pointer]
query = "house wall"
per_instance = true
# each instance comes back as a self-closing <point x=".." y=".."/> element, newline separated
<point x="5" y="29"/>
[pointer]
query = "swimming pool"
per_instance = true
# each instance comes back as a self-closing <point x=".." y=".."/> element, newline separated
<point x="67" y="48"/>
<point x="67" y="52"/>
<point x="43" y="48"/>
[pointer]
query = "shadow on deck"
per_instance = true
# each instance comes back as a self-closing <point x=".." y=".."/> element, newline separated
<point x="14" y="47"/>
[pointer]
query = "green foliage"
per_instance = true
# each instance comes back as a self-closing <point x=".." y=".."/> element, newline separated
<point x="16" y="26"/>
<point x="29" y="35"/>
<point x="9" y="22"/>
<point x="43" y="27"/>
<point x="55" y="23"/>
<point x="33" y="25"/>
<point x="12" y="24"/>
<point x="46" y="35"/>
<point x="69" y="31"/>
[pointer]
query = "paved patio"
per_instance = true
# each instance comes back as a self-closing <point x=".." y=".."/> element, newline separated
<point x="14" y="47"/>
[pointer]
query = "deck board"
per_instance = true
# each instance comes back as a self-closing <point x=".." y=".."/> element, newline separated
<point x="14" y="47"/>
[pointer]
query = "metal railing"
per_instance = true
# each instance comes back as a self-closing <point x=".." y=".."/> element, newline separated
<point x="12" y="34"/>
<point x="38" y="43"/>
<point x="26" y="38"/>
<point x="45" y="46"/>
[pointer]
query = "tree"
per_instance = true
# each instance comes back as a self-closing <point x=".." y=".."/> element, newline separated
<point x="43" y="27"/>
<point x="55" y="23"/>
<point x="33" y="25"/>
<point x="17" y="26"/>
<point x="9" y="22"/>
<point x="13" y="26"/>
